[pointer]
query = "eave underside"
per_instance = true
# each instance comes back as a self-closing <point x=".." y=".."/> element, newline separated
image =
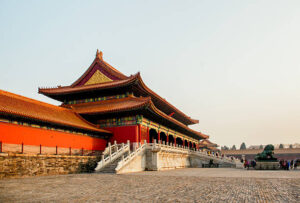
<point x="147" y="109"/>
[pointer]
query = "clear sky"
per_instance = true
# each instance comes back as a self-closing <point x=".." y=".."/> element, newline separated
<point x="234" y="65"/>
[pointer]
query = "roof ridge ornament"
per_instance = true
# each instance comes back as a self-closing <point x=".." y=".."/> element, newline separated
<point x="99" y="54"/>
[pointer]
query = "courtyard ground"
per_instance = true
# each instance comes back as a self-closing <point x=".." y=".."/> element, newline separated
<point x="182" y="185"/>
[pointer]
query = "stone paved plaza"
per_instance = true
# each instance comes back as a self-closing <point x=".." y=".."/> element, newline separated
<point x="182" y="185"/>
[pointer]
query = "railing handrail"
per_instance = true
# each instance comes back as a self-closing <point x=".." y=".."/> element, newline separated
<point x="112" y="157"/>
<point x="198" y="152"/>
<point x="126" y="160"/>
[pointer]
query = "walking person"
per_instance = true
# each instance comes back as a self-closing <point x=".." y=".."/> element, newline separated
<point x="292" y="164"/>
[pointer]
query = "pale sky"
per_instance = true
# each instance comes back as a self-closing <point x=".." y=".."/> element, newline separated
<point x="234" y="65"/>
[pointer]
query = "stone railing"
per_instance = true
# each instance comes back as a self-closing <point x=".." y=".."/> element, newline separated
<point x="167" y="147"/>
<point x="111" y="149"/>
<point x="127" y="159"/>
<point x="138" y="148"/>
<point x="182" y="149"/>
<point x="112" y="156"/>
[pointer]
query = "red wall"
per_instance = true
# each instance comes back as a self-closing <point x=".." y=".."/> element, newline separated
<point x="123" y="133"/>
<point x="17" y="134"/>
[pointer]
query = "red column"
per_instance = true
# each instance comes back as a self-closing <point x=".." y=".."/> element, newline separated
<point x="148" y="138"/>
<point x="188" y="144"/>
<point x="174" y="141"/>
<point x="183" y="143"/>
<point x="158" y="136"/>
<point x="167" y="138"/>
<point x="140" y="132"/>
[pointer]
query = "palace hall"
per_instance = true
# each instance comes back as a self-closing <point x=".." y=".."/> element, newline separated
<point x="101" y="106"/>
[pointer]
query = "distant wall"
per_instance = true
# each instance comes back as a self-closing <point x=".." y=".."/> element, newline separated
<point x="17" y="134"/>
<point x="286" y="153"/>
<point x="21" y="165"/>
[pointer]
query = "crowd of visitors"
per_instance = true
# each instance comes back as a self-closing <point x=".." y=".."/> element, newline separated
<point x="284" y="164"/>
<point x="289" y="164"/>
<point x="248" y="164"/>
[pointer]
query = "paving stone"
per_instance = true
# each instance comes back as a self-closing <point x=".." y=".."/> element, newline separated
<point x="183" y="185"/>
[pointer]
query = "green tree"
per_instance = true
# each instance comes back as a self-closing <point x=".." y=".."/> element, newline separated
<point x="225" y="147"/>
<point x="233" y="147"/>
<point x="281" y="146"/>
<point x="243" y="146"/>
<point x="291" y="146"/>
<point x="261" y="146"/>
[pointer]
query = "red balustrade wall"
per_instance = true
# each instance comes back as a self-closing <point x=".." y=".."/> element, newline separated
<point x="123" y="133"/>
<point x="18" y="134"/>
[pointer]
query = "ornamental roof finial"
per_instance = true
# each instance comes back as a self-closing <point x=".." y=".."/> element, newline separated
<point x="99" y="55"/>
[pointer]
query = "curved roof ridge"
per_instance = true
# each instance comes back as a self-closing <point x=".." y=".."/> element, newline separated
<point x="194" y="121"/>
<point x="176" y="121"/>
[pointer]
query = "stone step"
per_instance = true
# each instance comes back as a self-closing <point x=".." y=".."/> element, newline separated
<point x="110" y="168"/>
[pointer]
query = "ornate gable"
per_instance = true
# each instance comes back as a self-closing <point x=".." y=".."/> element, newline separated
<point x="99" y="72"/>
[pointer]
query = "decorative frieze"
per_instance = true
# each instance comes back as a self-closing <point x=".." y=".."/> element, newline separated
<point x="97" y="99"/>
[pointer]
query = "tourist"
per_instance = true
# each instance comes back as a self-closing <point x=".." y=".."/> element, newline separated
<point x="288" y="165"/>
<point x="246" y="164"/>
<point x="253" y="163"/>
<point x="284" y="164"/>
<point x="281" y="164"/>
<point x="292" y="164"/>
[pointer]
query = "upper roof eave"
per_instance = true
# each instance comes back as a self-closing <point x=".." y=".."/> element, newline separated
<point x="70" y="90"/>
<point x="134" y="79"/>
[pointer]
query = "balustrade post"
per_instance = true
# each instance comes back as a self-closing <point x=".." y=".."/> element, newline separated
<point x="0" y="146"/>
<point x="102" y="159"/>
<point x="128" y="143"/>
<point x="122" y="147"/>
<point x="145" y="142"/>
<point x="109" y="149"/>
<point x="154" y="143"/>
<point x="115" y="144"/>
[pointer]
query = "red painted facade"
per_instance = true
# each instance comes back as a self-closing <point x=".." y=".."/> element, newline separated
<point x="17" y="134"/>
<point x="123" y="133"/>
